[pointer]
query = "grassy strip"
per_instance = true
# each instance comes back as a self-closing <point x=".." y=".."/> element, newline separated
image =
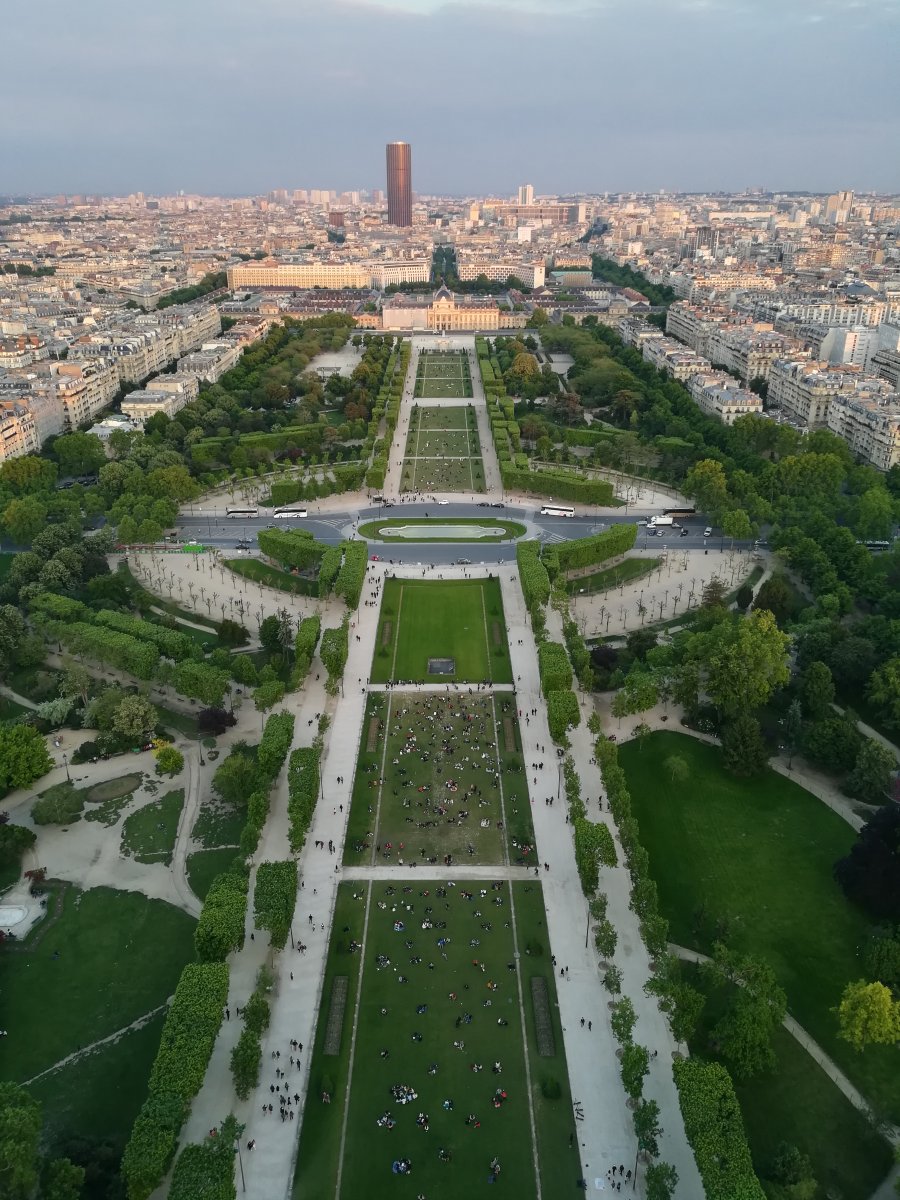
<point x="260" y="572"/>
<point x="612" y="577"/>
<point x="375" y="530"/>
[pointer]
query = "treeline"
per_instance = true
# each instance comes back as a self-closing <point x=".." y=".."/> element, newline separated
<point x="211" y="282"/>
<point x="627" y="277"/>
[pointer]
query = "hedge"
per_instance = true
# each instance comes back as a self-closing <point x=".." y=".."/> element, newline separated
<point x="274" y="898"/>
<point x="291" y="547"/>
<point x="351" y="576"/>
<point x="187" y="1040"/>
<point x="715" y="1129"/>
<point x="558" y="485"/>
<point x="169" y="642"/>
<point x="590" y="551"/>
<point x="305" y="647"/>
<point x="532" y="575"/>
<point x="303" y="791"/>
<point x="555" y="671"/>
<point x="207" y="1169"/>
<point x="202" y="681"/>
<point x="334" y="650"/>
<point x="563" y="713"/>
<point x="110" y="647"/>
<point x="220" y="928"/>
<point x="328" y="568"/>
<point x="275" y="743"/>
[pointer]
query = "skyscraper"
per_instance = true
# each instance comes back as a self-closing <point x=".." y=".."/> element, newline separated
<point x="399" y="183"/>
<point x="526" y="194"/>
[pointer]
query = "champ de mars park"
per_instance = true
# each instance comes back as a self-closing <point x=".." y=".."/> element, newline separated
<point x="484" y="812"/>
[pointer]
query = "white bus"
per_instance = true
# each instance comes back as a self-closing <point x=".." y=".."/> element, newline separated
<point x="241" y="512"/>
<point x="557" y="510"/>
<point x="289" y="512"/>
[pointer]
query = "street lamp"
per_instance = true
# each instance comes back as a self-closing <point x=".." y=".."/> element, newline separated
<point x="66" y="765"/>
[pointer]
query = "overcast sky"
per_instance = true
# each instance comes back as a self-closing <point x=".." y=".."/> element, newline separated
<point x="241" y="96"/>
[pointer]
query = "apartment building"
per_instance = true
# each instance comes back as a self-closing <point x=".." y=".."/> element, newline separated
<point x="211" y="361"/>
<point x="720" y="396"/>
<point x="748" y="354"/>
<point x="695" y="324"/>
<point x="634" y="331"/>
<point x="361" y="274"/>
<point x="531" y="273"/>
<point x="677" y="361"/>
<point x="869" y="426"/>
<point x="804" y="390"/>
<point x="18" y="433"/>
<point x="84" y="388"/>
<point x="22" y="351"/>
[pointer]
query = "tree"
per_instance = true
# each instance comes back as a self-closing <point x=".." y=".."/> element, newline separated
<point x="12" y="630"/>
<point x="714" y="593"/>
<point x="134" y="719"/>
<point x="744" y="751"/>
<point x="169" y="761"/>
<point x="76" y="681"/>
<point x="833" y="743"/>
<point x="744" y="597"/>
<point x="20" y="1131"/>
<point x="622" y="1020"/>
<point x="817" y="691"/>
<point x="24" y="519"/>
<point x="639" y="694"/>
<point x="267" y="695"/>
<point x="756" y="1006"/>
<point x="215" y="720"/>
<point x="748" y="660"/>
<point x="778" y="596"/>
<point x="79" y="453"/>
<point x="62" y="1180"/>
<point x="55" y="711"/>
<point x="793" y="728"/>
<point x="647" y="1128"/>
<point x="662" y="1179"/>
<point x="872" y="773"/>
<point x="23" y="757"/>
<point x="884" y="690"/>
<point x="270" y="634"/>
<point x="737" y="525"/>
<point x="677" y="768"/>
<point x="235" y="779"/>
<point x="634" y="1065"/>
<point x="869" y="1015"/>
<point x="793" y="1171"/>
<point x="231" y="633"/>
<point x="881" y="956"/>
<point x="707" y="484"/>
<point x="870" y="873"/>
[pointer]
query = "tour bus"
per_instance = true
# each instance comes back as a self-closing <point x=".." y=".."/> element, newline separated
<point x="557" y="510"/>
<point x="289" y="512"/>
<point x="679" y="512"/>
<point x="241" y="512"/>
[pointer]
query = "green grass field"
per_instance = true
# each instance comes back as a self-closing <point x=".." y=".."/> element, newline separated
<point x="501" y="531"/>
<point x="458" y="619"/>
<point x="148" y="835"/>
<point x="204" y="865"/>
<point x="443" y="451"/>
<point x="119" y="956"/>
<point x="443" y="375"/>
<point x="797" y="1103"/>
<point x="261" y="572"/>
<point x="612" y="577"/>
<point x="403" y="1032"/>
<point x="759" y="853"/>
<point x="98" y="1096"/>
<point x="420" y="760"/>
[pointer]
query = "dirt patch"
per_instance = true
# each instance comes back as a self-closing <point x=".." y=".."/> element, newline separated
<point x="543" y="1022"/>
<point x="497" y="633"/>
<point x="387" y="630"/>
<point x="372" y="736"/>
<point x="509" y="735"/>
<point x="336" y="1006"/>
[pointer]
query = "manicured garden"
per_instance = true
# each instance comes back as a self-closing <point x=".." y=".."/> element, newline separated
<point x="499" y="531"/>
<point x="443" y="451"/>
<point x="432" y="1066"/>
<point x="752" y="859"/>
<point x="423" y="620"/>
<point x="443" y="375"/>
<point x="440" y="775"/>
<point x="262" y="572"/>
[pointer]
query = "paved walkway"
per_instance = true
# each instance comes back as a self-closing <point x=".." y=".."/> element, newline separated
<point x="23" y="701"/>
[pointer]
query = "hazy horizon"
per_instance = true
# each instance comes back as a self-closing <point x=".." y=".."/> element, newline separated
<point x="569" y="95"/>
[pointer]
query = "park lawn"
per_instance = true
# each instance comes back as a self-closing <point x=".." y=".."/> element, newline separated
<point x="443" y="475"/>
<point x="760" y="853"/>
<point x="10" y="710"/>
<point x="120" y="955"/>
<point x="148" y="835"/>
<point x="503" y="530"/>
<point x="797" y="1103"/>
<point x="111" y="797"/>
<point x="454" y="987"/>
<point x="218" y="824"/>
<point x="261" y="572"/>
<point x="440" y="443"/>
<point x="99" y="1096"/>
<point x="459" y="619"/>
<point x="36" y="684"/>
<point x="181" y="722"/>
<point x="203" y="866"/>
<point x="443" y="417"/>
<point x="612" y="577"/>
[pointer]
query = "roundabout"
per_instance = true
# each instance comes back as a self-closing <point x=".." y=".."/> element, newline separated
<point x="397" y="529"/>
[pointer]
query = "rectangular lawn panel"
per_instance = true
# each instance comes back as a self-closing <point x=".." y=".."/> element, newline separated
<point x="440" y="965"/>
<point x="443" y="451"/>
<point x="441" y="620"/>
<point x="759" y="855"/>
<point x="110" y="958"/>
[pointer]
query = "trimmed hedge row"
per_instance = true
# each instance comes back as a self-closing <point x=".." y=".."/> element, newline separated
<point x="220" y="928"/>
<point x="169" y="642"/>
<point x="333" y="652"/>
<point x="329" y="567"/>
<point x="303" y="791"/>
<point x="553" y="664"/>
<point x="291" y="547"/>
<point x="715" y="1129"/>
<point x="556" y="485"/>
<point x="186" y="1044"/>
<point x="351" y="576"/>
<point x="590" y="551"/>
<point x="579" y="655"/>
<point x="563" y="713"/>
<point x="275" y="743"/>
<point x="110" y="647"/>
<point x="202" y="681"/>
<point x="305" y="647"/>
<point x="274" y="898"/>
<point x="207" y="1169"/>
<point x="533" y="576"/>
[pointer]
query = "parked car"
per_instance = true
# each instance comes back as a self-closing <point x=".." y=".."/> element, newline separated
<point x="707" y="532"/>
<point x="464" y="562"/>
<point x="498" y="504"/>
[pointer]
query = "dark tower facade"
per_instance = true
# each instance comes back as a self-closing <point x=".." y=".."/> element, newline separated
<point x="399" y="183"/>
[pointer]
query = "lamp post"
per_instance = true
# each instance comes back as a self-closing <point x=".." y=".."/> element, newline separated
<point x="66" y="765"/>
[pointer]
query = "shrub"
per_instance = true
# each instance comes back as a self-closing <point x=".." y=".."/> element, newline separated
<point x="274" y="897"/>
<point x="715" y="1130"/>
<point x="303" y="791"/>
<point x="220" y="928"/>
<point x="59" y="805"/>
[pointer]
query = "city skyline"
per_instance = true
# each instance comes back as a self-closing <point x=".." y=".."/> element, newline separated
<point x="696" y="97"/>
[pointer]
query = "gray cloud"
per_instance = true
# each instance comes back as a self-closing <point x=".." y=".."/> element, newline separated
<point x="567" y="94"/>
